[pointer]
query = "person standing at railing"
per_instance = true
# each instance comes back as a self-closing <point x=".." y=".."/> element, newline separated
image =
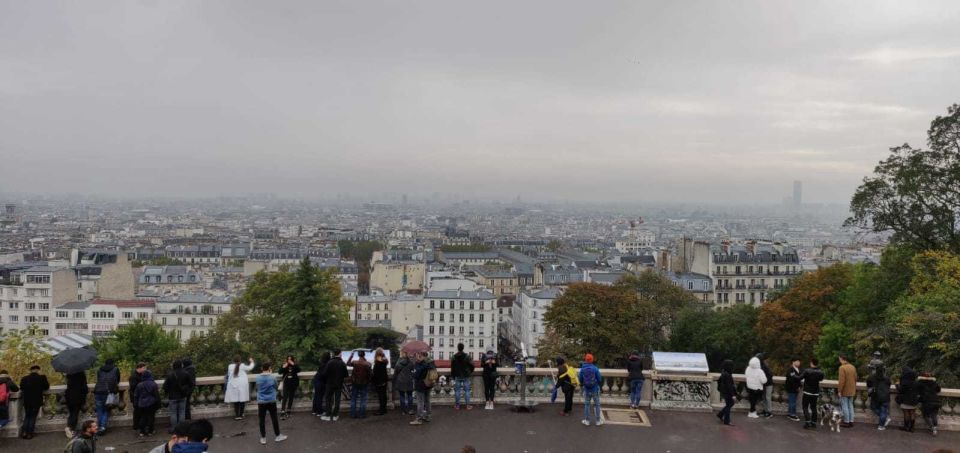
<point x="635" y="378"/>
<point x="320" y="385"/>
<point x="380" y="379"/>
<point x="290" y="373"/>
<point x="108" y="381"/>
<point x="590" y="380"/>
<point x="878" y="385"/>
<point x="336" y="373"/>
<point x="237" y="386"/>
<point x="75" y="396"/>
<point x="567" y="380"/>
<point x="847" y="389"/>
<point x="929" y="392"/>
<point x="175" y="387"/>
<point x="811" y="378"/>
<point x="146" y="397"/>
<point x="32" y="387"/>
<point x="7" y="386"/>
<point x="359" y="381"/>
<point x="136" y="377"/>
<point x="767" y="386"/>
<point x="756" y="379"/>
<point x="267" y="403"/>
<point x="403" y="382"/>
<point x="792" y="386"/>
<point x="461" y="370"/>
<point x="191" y="371"/>
<point x="489" y="366"/>
<point x="907" y="397"/>
<point x="728" y="391"/>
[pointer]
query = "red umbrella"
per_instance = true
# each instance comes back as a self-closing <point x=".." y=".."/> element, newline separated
<point x="415" y="346"/>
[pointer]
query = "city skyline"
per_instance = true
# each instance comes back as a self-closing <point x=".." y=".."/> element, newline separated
<point x="626" y="102"/>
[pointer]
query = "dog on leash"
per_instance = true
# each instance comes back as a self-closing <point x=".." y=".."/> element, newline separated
<point x="830" y="413"/>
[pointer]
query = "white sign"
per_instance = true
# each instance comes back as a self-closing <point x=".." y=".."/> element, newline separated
<point x="680" y="362"/>
<point x="368" y="355"/>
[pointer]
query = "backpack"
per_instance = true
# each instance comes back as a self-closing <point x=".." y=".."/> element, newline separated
<point x="4" y="394"/>
<point x="361" y="374"/>
<point x="431" y="378"/>
<point x="590" y="379"/>
<point x="70" y="443"/>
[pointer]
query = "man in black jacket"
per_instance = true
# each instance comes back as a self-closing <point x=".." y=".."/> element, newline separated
<point x="793" y="388"/>
<point x="461" y="369"/>
<point x="108" y="381"/>
<point x="728" y="391"/>
<point x="336" y="373"/>
<point x="192" y="374"/>
<point x="175" y="387"/>
<point x="767" y="387"/>
<point x="811" y="378"/>
<point x="635" y="378"/>
<point x="32" y="387"/>
<point x="136" y="377"/>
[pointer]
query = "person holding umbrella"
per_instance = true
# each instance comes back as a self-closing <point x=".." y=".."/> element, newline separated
<point x="75" y="396"/>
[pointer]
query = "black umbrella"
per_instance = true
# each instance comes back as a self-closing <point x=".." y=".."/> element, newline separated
<point x="74" y="360"/>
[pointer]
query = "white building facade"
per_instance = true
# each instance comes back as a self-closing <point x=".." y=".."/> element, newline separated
<point x="468" y="317"/>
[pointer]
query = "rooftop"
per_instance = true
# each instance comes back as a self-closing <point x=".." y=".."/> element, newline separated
<point x="541" y="431"/>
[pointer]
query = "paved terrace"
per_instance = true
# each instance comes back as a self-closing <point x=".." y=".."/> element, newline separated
<point x="542" y="431"/>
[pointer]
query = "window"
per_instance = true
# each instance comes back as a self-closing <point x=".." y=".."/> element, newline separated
<point x="441" y="317"/>
<point x="79" y="315"/>
<point x="14" y="305"/>
<point x="441" y="329"/>
<point x="690" y="285"/>
<point x="14" y="318"/>
<point x="128" y="315"/>
<point x="193" y="321"/>
<point x="41" y="279"/>
<point x="461" y="317"/>
<point x="431" y="330"/>
<point x="430" y="341"/>
<point x="481" y="305"/>
<point x="442" y="304"/>
<point x="471" y="305"/>
<point x="481" y="342"/>
<point x="461" y="334"/>
<point x="431" y="317"/>
<point x="431" y="304"/>
<point x="471" y="342"/>
<point x="471" y="317"/>
<point x="481" y="317"/>
<point x="30" y="306"/>
<point x="63" y="314"/>
<point x="179" y="321"/>
<point x="44" y="306"/>
<point x="461" y="306"/>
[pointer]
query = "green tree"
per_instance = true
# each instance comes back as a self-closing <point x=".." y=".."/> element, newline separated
<point x="139" y="341"/>
<point x="211" y="353"/>
<point x="720" y="335"/>
<point x="22" y="349"/>
<point x="382" y="338"/>
<point x="915" y="193"/>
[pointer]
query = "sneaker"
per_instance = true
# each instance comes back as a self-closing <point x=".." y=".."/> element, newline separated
<point x="881" y="428"/>
<point x="600" y="422"/>
<point x="933" y="431"/>
<point x="456" y="407"/>
<point x="753" y="415"/>
<point x="886" y="423"/>
<point x="417" y="422"/>
<point x="469" y="407"/>
<point x="767" y="415"/>
<point x="336" y="417"/>
<point x="585" y="422"/>
<point x="68" y="432"/>
<point x="325" y="418"/>
<point x="280" y="438"/>
<point x="491" y="405"/>
<point x="238" y="418"/>
<point x="794" y="418"/>
<point x="263" y="441"/>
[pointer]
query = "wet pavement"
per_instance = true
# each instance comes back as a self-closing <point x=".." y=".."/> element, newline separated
<point x="543" y="431"/>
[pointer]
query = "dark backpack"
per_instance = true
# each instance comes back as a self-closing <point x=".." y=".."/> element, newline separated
<point x="146" y="394"/>
<point x="590" y="380"/>
<point x="361" y="373"/>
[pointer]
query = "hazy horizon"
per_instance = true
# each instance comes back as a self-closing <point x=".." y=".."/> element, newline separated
<point x="617" y="102"/>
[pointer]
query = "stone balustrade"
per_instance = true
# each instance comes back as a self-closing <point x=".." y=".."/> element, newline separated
<point x="660" y="392"/>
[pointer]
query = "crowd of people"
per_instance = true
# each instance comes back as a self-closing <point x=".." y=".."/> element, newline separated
<point x="913" y="391"/>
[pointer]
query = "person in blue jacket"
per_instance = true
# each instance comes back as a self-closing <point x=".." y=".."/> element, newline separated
<point x="590" y="381"/>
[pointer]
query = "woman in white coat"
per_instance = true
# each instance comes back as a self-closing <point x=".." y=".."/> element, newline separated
<point x="755" y="380"/>
<point x="238" y="388"/>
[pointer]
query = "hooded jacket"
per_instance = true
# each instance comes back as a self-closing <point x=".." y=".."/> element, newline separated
<point x="108" y="376"/>
<point x="489" y="366"/>
<point x="878" y="385"/>
<point x="907" y="388"/>
<point x="32" y="387"/>
<point x="190" y="447"/>
<point x="811" y="381"/>
<point x="420" y="373"/>
<point x="725" y="384"/>
<point x="461" y="367"/>
<point x="11" y="387"/>
<point x="403" y="375"/>
<point x="634" y="367"/>
<point x="147" y="393"/>
<point x="929" y="392"/>
<point x="767" y="372"/>
<point x="191" y="371"/>
<point x="336" y="373"/>
<point x="756" y="378"/>
<point x="132" y="383"/>
<point x="176" y="386"/>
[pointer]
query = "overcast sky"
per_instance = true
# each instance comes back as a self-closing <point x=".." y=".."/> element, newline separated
<point x="648" y="101"/>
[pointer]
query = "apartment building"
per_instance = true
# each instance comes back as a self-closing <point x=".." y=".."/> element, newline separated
<point x="468" y="317"/>
<point x="747" y="274"/>
<point x="29" y="294"/>
<point x="190" y="314"/>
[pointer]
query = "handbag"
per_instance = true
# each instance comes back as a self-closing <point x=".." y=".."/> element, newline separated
<point x="113" y="400"/>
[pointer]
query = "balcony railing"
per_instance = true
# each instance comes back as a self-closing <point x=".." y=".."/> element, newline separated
<point x="660" y="392"/>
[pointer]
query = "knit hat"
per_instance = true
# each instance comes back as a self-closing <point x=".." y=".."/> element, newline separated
<point x="588" y="358"/>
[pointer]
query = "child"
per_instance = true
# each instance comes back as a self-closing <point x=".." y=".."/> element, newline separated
<point x="267" y="402"/>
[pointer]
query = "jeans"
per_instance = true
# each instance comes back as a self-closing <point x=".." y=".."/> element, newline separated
<point x="810" y="408"/>
<point x="30" y="419"/>
<point x="262" y="410"/>
<point x="727" y="407"/>
<point x="332" y="398"/>
<point x="406" y="401"/>
<point x="930" y="415"/>
<point x="177" y="409"/>
<point x="103" y="414"/>
<point x="489" y="387"/>
<point x="792" y="404"/>
<point x="423" y="405"/>
<point x="358" y="395"/>
<point x="461" y="385"/>
<point x="591" y="399"/>
<point x="636" y="391"/>
<point x="767" y="398"/>
<point x="882" y="410"/>
<point x="238" y="409"/>
<point x="318" y="393"/>
<point x="846" y="406"/>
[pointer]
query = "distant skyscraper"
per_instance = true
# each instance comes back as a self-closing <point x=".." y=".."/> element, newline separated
<point x="797" y="193"/>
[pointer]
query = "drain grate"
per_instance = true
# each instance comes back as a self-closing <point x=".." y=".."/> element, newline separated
<point x="627" y="417"/>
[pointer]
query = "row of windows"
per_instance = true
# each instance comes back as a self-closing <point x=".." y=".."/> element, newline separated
<point x="722" y="270"/>
<point x="463" y="305"/>
<point x="38" y="292"/>
<point x="159" y="279"/>
<point x="453" y="330"/>
<point x="29" y="306"/>
<point x="452" y="342"/>
<point x="38" y="279"/>
<point x="103" y="315"/>
<point x="453" y="317"/>
<point x="193" y="321"/>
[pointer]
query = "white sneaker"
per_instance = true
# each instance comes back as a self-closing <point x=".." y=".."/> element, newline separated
<point x="280" y="438"/>
<point x="753" y="415"/>
<point x="491" y="405"/>
<point x="886" y="422"/>
<point x="68" y="432"/>
<point x="585" y="422"/>
<point x="336" y="417"/>
<point x="325" y="418"/>
<point x="600" y="421"/>
<point x="263" y="441"/>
